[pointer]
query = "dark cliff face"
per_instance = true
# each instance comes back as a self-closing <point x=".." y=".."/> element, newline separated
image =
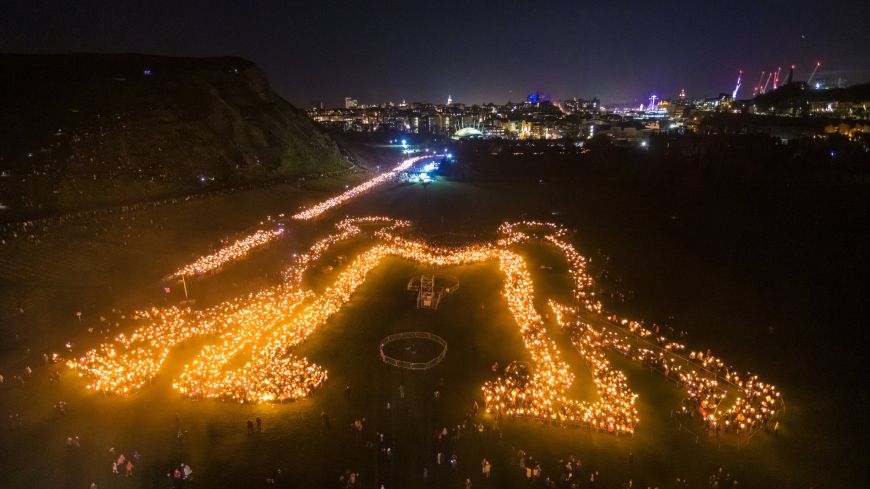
<point x="89" y="130"/>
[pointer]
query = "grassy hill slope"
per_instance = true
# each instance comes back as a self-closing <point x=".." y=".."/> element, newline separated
<point x="89" y="130"/>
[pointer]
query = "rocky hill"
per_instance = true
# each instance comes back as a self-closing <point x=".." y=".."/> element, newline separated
<point x="85" y="131"/>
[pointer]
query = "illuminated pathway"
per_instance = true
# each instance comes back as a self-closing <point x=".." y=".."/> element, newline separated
<point x="241" y="247"/>
<point x="265" y="327"/>
<point x="321" y="207"/>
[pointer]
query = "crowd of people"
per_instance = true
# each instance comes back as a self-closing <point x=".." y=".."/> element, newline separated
<point x="448" y="466"/>
<point x="446" y="439"/>
<point x="255" y="426"/>
<point x="572" y="474"/>
<point x="124" y="464"/>
<point x="36" y="229"/>
<point x="180" y="475"/>
<point x="722" y="480"/>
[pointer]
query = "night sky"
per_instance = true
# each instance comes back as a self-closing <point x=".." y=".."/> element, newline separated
<point x="620" y="51"/>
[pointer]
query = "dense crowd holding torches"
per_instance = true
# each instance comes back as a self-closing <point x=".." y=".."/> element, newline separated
<point x="360" y="189"/>
<point x="268" y="376"/>
<point x="271" y="322"/>
<point x="236" y="251"/>
<point x="759" y="401"/>
<point x="133" y="361"/>
<point x="756" y="401"/>
<point x="240" y="248"/>
<point x="348" y="228"/>
<point x="209" y="376"/>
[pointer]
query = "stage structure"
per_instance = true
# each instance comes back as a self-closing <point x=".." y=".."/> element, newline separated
<point x="428" y="293"/>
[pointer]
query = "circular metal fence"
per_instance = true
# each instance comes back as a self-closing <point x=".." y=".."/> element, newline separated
<point x="413" y="335"/>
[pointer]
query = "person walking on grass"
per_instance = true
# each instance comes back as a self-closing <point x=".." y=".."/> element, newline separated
<point x="485" y="468"/>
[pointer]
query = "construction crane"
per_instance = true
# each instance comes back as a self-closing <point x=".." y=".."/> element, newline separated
<point x="767" y="83"/>
<point x="737" y="87"/>
<point x="758" y="85"/>
<point x="776" y="77"/>
<point x="818" y="65"/>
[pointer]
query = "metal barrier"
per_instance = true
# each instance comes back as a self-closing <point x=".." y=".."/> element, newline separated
<point x="413" y="335"/>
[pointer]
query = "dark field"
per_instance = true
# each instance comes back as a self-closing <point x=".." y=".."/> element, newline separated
<point x="774" y="285"/>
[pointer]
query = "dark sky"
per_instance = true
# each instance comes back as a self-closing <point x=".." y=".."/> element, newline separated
<point x="619" y="50"/>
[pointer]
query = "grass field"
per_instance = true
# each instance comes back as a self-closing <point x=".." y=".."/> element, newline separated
<point x="72" y="270"/>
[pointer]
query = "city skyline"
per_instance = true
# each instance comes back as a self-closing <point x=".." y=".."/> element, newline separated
<point x="478" y="54"/>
